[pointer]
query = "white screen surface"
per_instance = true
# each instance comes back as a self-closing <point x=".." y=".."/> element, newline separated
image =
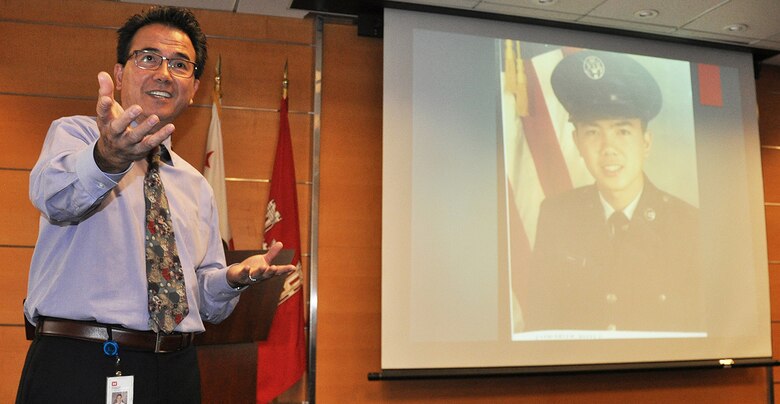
<point x="460" y="193"/>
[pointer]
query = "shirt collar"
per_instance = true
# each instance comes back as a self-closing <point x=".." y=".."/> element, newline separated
<point x="165" y="148"/>
<point x="165" y="155"/>
<point x="628" y="210"/>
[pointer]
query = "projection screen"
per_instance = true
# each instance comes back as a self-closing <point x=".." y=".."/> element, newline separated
<point x="498" y="180"/>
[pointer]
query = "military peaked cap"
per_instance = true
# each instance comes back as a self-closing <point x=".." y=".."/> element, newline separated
<point x="599" y="85"/>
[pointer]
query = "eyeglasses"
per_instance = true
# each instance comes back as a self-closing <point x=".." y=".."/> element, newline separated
<point x="148" y="60"/>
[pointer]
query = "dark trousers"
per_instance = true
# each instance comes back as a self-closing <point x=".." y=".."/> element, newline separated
<point x="65" y="370"/>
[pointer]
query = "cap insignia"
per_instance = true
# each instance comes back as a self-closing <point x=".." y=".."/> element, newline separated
<point x="593" y="67"/>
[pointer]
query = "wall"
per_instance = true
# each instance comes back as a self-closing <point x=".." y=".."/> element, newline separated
<point x="768" y="90"/>
<point x="44" y="75"/>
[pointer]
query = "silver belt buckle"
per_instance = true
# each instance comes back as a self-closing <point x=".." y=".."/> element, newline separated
<point x="157" y="341"/>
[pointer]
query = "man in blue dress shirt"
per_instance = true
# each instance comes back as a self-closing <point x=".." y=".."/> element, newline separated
<point x="87" y="280"/>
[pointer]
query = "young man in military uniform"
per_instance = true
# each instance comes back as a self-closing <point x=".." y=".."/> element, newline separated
<point x="619" y="254"/>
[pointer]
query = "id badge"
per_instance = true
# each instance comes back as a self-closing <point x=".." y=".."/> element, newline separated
<point x="119" y="390"/>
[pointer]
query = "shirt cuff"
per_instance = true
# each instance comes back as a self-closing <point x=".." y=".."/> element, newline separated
<point x="96" y="182"/>
<point x="240" y="288"/>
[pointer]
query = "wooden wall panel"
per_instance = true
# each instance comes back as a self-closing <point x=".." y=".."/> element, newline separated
<point x="13" y="278"/>
<point x="774" y="290"/>
<point x="36" y="50"/>
<point x="266" y="41"/>
<point x="23" y="134"/>
<point x="685" y="386"/>
<point x="248" y="80"/>
<point x="773" y="232"/>
<point x="350" y="229"/>
<point x="19" y="221"/>
<point x="13" y="349"/>
<point x="250" y="136"/>
<point x="250" y="27"/>
<point x="770" y="165"/>
<point x="774" y="293"/>
<point x="70" y="12"/>
<point x="768" y="94"/>
<point x="252" y="73"/>
<point x="775" y="342"/>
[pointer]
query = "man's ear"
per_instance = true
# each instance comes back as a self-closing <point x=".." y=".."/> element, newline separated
<point x="119" y="71"/>
<point x="647" y="139"/>
<point x="576" y="138"/>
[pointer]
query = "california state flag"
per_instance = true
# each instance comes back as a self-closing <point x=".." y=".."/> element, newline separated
<point x="214" y="170"/>
<point x="281" y="359"/>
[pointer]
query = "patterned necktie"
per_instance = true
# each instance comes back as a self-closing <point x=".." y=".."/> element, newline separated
<point x="167" y="294"/>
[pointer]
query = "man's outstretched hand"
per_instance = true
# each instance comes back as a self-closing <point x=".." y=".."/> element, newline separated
<point x="120" y="144"/>
<point x="257" y="268"/>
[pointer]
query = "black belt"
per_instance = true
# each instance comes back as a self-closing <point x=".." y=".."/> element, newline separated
<point x="92" y="331"/>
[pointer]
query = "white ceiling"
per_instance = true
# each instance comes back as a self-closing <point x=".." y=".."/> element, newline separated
<point x="692" y="19"/>
<point x="279" y="8"/>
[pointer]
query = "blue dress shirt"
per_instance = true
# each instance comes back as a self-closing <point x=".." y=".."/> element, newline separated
<point x="89" y="260"/>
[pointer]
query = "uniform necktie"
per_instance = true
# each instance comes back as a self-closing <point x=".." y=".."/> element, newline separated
<point x="618" y="224"/>
<point x="166" y="291"/>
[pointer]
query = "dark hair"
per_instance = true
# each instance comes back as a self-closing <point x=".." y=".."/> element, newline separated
<point x="175" y="17"/>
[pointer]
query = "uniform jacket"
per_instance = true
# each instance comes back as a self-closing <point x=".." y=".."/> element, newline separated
<point x="583" y="278"/>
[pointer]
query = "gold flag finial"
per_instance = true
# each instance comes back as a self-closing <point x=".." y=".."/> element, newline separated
<point x="285" y="83"/>
<point x="515" y="79"/>
<point x="218" y="77"/>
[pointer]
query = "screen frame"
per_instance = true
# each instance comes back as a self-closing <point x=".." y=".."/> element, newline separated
<point x="390" y="256"/>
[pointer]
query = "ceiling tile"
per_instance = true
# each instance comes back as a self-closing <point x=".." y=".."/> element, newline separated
<point x="765" y="44"/>
<point x="580" y="7"/>
<point x="627" y="25"/>
<point x="279" y="8"/>
<point x="670" y="13"/>
<point x="468" y="4"/>
<point x="223" y="5"/>
<point x="717" y="36"/>
<point x="526" y="12"/>
<point x="761" y="16"/>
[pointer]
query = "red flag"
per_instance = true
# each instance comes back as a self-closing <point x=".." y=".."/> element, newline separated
<point x="710" y="91"/>
<point x="281" y="359"/>
<point x="214" y="170"/>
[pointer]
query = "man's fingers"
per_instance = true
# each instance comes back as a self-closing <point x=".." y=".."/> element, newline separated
<point x="153" y="140"/>
<point x="280" y="270"/>
<point x="105" y="95"/>
<point x="261" y="264"/>
<point x="104" y="105"/>
<point x="119" y="124"/>
<point x="106" y="85"/>
<point x="273" y="251"/>
<point x="271" y="271"/>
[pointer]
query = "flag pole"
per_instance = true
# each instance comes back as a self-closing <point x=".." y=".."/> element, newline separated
<point x="285" y="82"/>
<point x="217" y="95"/>
<point x="218" y="78"/>
<point x="214" y="166"/>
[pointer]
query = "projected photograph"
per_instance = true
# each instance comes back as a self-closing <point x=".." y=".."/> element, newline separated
<point x="553" y="198"/>
<point x="602" y="194"/>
